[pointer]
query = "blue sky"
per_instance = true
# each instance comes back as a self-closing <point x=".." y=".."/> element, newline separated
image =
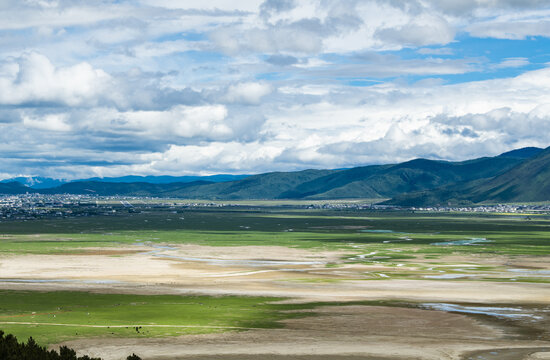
<point x="181" y="87"/>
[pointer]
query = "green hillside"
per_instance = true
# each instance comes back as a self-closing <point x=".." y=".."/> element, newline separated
<point x="529" y="181"/>
<point x="263" y="186"/>
<point x="390" y="180"/>
<point x="124" y="189"/>
<point x="377" y="181"/>
<point x="412" y="183"/>
<point x="14" y="187"/>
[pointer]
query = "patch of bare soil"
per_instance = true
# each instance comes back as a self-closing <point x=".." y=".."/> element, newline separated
<point x="106" y="252"/>
<point x="339" y="332"/>
<point x="509" y="354"/>
<point x="538" y="355"/>
<point x="344" y="333"/>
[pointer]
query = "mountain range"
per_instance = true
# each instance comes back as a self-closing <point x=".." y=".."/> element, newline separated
<point x="37" y="182"/>
<point x="529" y="181"/>
<point x="518" y="175"/>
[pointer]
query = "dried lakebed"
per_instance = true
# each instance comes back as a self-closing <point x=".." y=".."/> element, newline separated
<point x="409" y="287"/>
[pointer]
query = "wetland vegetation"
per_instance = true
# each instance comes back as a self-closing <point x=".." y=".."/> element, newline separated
<point x="366" y="246"/>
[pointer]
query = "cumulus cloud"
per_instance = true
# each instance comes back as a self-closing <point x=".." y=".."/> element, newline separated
<point x="50" y="122"/>
<point x="269" y="40"/>
<point x="510" y="126"/>
<point x="513" y="30"/>
<point x="209" y="158"/>
<point x="282" y="60"/>
<point x="32" y="78"/>
<point x="300" y="27"/>
<point x="471" y="7"/>
<point x="248" y="93"/>
<point x="270" y="7"/>
<point x="422" y="30"/>
<point x="168" y="86"/>
<point x="181" y="121"/>
<point x="512" y="63"/>
<point x="449" y="137"/>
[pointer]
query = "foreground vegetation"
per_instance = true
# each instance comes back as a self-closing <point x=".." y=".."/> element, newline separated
<point x="11" y="349"/>
<point x="52" y="317"/>
<point x="509" y="234"/>
<point x="401" y="245"/>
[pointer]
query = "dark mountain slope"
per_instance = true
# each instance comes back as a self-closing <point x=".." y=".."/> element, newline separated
<point x="166" y="179"/>
<point x="263" y="186"/>
<point x="390" y="180"/>
<point x="523" y="153"/>
<point x="334" y="180"/>
<point x="128" y="189"/>
<point x="37" y="182"/>
<point x="451" y="179"/>
<point x="14" y="187"/>
<point x="377" y="181"/>
<point x="529" y="181"/>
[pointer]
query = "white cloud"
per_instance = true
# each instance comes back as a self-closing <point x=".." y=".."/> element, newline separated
<point x="142" y="87"/>
<point x="312" y="27"/>
<point x="439" y="51"/>
<point x="28" y="14"/>
<point x="420" y="31"/>
<point x="52" y="122"/>
<point x="512" y="63"/>
<point x="484" y="7"/>
<point x="204" y="122"/>
<point x="213" y="158"/>
<point x="32" y="78"/>
<point x="248" y="93"/>
<point x="514" y="30"/>
<point x="234" y="41"/>
<point x="317" y="90"/>
<point x="241" y="5"/>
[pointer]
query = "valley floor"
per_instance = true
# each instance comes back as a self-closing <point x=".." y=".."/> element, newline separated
<point x="460" y="305"/>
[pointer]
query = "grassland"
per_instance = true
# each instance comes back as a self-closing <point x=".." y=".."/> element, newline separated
<point x="363" y="247"/>
<point x="412" y="233"/>
<point x="58" y="316"/>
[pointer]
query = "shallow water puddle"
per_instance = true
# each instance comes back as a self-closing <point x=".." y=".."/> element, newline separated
<point x="499" y="312"/>
<point x="240" y="262"/>
<point x="504" y="354"/>
<point x="530" y="273"/>
<point x="472" y="241"/>
<point x="447" y="276"/>
<point x="227" y="262"/>
<point x="46" y="281"/>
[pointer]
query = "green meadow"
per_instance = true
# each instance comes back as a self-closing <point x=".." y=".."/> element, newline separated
<point x="412" y="233"/>
<point x="52" y="317"/>
<point x="408" y="244"/>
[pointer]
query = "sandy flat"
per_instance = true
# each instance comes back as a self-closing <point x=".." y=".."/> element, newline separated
<point x="350" y="332"/>
<point x="252" y="270"/>
<point x="539" y="356"/>
<point x="341" y="333"/>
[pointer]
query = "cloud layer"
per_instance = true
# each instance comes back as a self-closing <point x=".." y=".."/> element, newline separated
<point x="171" y="87"/>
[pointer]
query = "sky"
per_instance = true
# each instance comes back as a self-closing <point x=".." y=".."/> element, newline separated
<point x="188" y="87"/>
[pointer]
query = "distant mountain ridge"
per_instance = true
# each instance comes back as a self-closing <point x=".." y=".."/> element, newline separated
<point x="37" y="182"/>
<point x="529" y="181"/>
<point x="419" y="181"/>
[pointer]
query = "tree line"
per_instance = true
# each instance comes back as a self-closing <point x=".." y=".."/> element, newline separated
<point x="11" y="349"/>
